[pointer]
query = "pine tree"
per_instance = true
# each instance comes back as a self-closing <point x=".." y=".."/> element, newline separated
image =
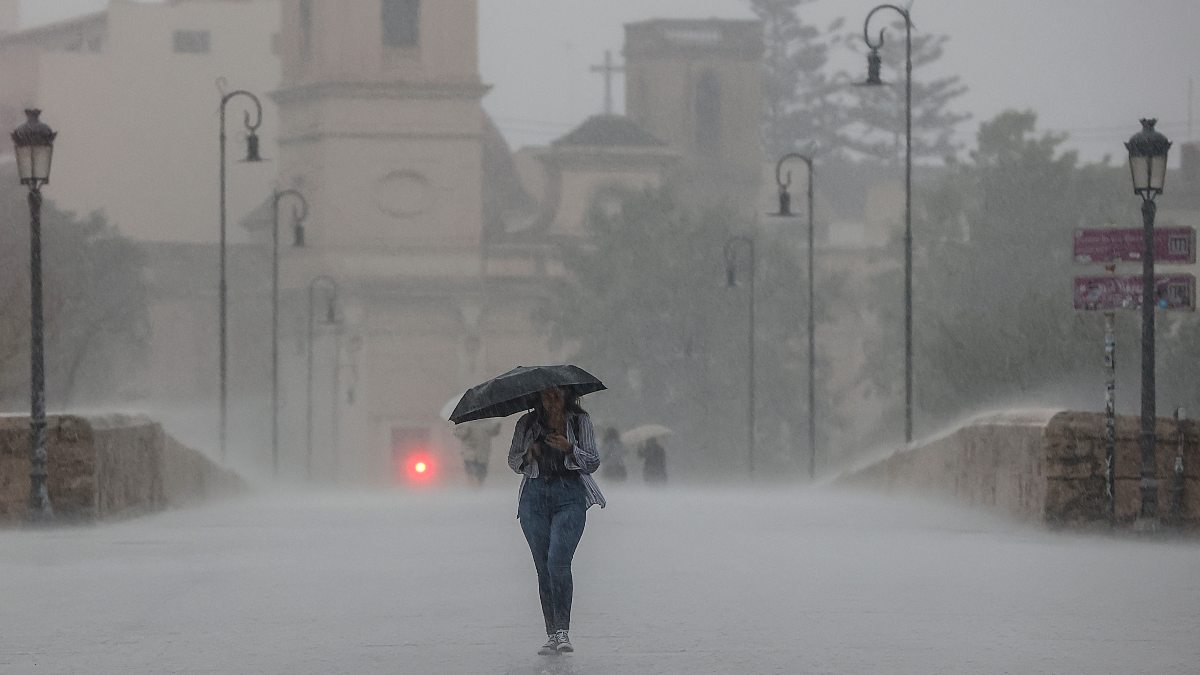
<point x="874" y="116"/>
<point x="801" y="111"/>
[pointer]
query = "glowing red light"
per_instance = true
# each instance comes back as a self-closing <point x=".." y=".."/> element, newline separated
<point x="416" y="467"/>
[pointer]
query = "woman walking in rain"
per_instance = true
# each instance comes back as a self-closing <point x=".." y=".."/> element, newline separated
<point x="554" y="447"/>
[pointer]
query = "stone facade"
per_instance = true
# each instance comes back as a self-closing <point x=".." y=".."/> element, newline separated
<point x="106" y="467"/>
<point x="1046" y="466"/>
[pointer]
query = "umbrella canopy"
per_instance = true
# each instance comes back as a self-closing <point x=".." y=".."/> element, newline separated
<point x="517" y="391"/>
<point x="448" y="408"/>
<point x="639" y="435"/>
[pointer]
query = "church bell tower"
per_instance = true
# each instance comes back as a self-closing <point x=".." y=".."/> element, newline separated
<point x="697" y="84"/>
<point x="382" y="131"/>
<point x="381" y="121"/>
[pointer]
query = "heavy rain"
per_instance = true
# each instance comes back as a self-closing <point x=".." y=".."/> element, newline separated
<point x="635" y="336"/>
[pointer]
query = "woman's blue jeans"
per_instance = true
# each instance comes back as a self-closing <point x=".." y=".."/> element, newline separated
<point x="553" y="512"/>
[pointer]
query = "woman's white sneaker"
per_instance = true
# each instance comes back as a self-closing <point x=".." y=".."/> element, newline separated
<point x="551" y="646"/>
<point x="564" y="642"/>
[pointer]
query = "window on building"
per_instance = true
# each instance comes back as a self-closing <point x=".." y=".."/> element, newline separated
<point x="708" y="113"/>
<point x="401" y="23"/>
<point x="306" y="29"/>
<point x="192" y="42"/>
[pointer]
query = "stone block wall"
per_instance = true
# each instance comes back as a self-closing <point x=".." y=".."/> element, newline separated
<point x="1046" y="466"/>
<point x="993" y="461"/>
<point x="1075" y="457"/>
<point x="105" y="467"/>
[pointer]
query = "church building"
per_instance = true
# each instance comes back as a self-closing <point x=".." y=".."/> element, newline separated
<point x="427" y="243"/>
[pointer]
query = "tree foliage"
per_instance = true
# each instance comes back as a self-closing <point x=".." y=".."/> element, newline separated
<point x="95" y="305"/>
<point x="810" y="109"/>
<point x="800" y="107"/>
<point x="874" y="116"/>
<point x="646" y="304"/>
<point x="992" y="308"/>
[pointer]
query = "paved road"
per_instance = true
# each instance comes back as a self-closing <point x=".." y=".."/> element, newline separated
<point x="682" y="581"/>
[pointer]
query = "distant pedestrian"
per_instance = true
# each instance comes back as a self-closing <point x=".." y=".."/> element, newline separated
<point x="655" y="469"/>
<point x="475" y="439"/>
<point x="554" y="447"/>
<point x="612" y="457"/>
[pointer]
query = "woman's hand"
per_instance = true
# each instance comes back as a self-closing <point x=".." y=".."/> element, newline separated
<point x="558" y="442"/>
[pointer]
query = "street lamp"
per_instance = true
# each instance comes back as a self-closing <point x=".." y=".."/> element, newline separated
<point x="874" y="63"/>
<point x="33" y="143"/>
<point x="252" y="155"/>
<point x="731" y="277"/>
<point x="299" y="214"/>
<point x="785" y="211"/>
<point x="1148" y="167"/>
<point x="330" y="319"/>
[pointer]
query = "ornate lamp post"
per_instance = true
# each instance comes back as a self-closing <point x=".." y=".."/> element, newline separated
<point x="252" y="155"/>
<point x="785" y="211"/>
<point x="299" y="214"/>
<point x="1148" y="167"/>
<point x="33" y="143"/>
<point x="874" y="63"/>
<point x="330" y="319"/>
<point x="731" y="276"/>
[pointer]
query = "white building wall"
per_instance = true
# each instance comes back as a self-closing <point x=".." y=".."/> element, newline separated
<point x="138" y="122"/>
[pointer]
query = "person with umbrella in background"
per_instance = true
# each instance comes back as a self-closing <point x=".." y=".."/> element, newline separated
<point x="655" y="469"/>
<point x="612" y="456"/>
<point x="554" y="449"/>
<point x="647" y="439"/>
<point x="476" y="441"/>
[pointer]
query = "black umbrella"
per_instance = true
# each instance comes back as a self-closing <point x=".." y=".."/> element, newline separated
<point x="517" y="391"/>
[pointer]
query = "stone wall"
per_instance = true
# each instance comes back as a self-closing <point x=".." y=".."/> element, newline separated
<point x="105" y="467"/>
<point x="1075" y="468"/>
<point x="1046" y="466"/>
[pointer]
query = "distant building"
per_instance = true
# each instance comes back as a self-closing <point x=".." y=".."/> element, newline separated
<point x="440" y="241"/>
<point x="133" y="91"/>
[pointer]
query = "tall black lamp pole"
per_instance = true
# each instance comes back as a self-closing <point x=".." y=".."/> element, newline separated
<point x="785" y="211"/>
<point x="731" y="276"/>
<point x="330" y="320"/>
<point x="298" y="216"/>
<point x="33" y="143"/>
<point x="1148" y="167"/>
<point x="252" y="155"/>
<point x="874" y="63"/>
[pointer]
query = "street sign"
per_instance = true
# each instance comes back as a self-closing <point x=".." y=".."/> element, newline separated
<point x="1172" y="245"/>
<point x="1109" y="293"/>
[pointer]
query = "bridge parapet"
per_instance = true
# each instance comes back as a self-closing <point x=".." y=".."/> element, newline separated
<point x="106" y="467"/>
<point x="1047" y="466"/>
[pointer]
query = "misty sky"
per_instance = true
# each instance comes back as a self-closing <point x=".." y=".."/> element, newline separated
<point x="1089" y="67"/>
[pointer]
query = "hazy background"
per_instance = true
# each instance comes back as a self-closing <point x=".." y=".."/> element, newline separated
<point x="1091" y="68"/>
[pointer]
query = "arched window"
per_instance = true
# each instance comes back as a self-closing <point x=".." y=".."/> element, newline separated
<point x="708" y="113"/>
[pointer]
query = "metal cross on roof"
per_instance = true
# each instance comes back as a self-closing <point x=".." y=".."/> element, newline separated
<point x="609" y="69"/>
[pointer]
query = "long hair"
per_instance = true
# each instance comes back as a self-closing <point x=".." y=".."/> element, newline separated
<point x="570" y="404"/>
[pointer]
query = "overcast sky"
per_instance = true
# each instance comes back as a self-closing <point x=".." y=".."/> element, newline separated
<point x="1089" y="67"/>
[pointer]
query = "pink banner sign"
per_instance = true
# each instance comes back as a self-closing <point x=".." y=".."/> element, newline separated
<point x="1110" y="293"/>
<point x="1172" y="245"/>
